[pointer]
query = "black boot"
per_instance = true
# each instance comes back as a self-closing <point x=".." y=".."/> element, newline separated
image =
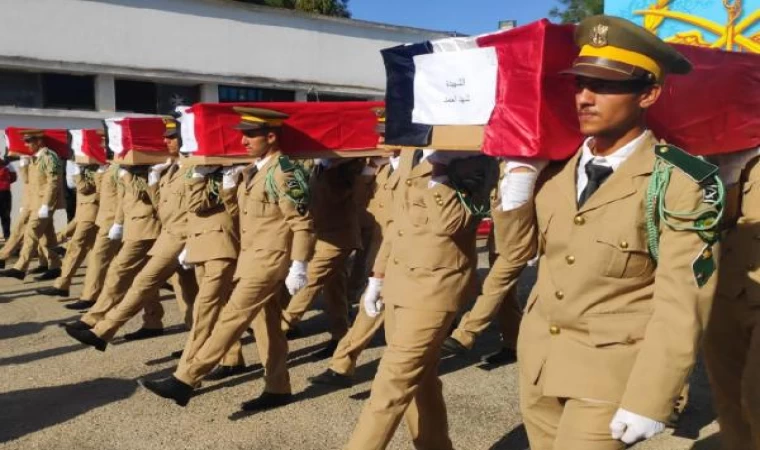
<point x="51" y="274"/>
<point x="13" y="273"/>
<point x="294" y="333"/>
<point x="170" y="388"/>
<point x="452" y="346"/>
<point x="333" y="379"/>
<point x="502" y="357"/>
<point x="80" y="305"/>
<point x="78" y="325"/>
<point x="2" y="264"/>
<point x="39" y="270"/>
<point x="87" y="337"/>
<point x="222" y="372"/>
<point x="265" y="401"/>
<point x="144" y="333"/>
<point x="53" y="292"/>
<point x="327" y="351"/>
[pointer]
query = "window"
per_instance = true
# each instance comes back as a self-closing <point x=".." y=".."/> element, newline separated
<point x="230" y="94"/>
<point x="20" y="89"/>
<point x="153" y="98"/>
<point x="172" y="95"/>
<point x="62" y="91"/>
<point x="314" y="96"/>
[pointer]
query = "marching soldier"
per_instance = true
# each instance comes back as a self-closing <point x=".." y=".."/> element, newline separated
<point x="14" y="241"/>
<point x="84" y="231"/>
<point x="166" y="195"/>
<point x="626" y="229"/>
<point x="277" y="239"/>
<point x="732" y="339"/>
<point x="105" y="247"/>
<point x="336" y="223"/>
<point x="45" y="182"/>
<point x="364" y="189"/>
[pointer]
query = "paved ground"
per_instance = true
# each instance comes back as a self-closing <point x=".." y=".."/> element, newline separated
<point x="56" y="394"/>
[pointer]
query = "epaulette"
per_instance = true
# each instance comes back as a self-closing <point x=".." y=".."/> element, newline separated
<point x="286" y="165"/>
<point x="694" y="167"/>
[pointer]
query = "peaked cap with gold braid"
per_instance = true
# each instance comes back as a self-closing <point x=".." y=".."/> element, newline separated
<point x="258" y="118"/>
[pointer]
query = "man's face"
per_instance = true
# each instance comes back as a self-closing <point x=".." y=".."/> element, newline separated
<point x="258" y="142"/>
<point x="611" y="107"/>
<point x="172" y="145"/>
<point x="34" y="144"/>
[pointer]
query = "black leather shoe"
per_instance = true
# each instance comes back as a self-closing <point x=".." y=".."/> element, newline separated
<point x="333" y="379"/>
<point x="267" y="400"/>
<point x="80" y="305"/>
<point x="327" y="351"/>
<point x="13" y="273"/>
<point x="61" y="251"/>
<point x="53" y="291"/>
<point x="87" y="337"/>
<point x="2" y="264"/>
<point x="78" y="325"/>
<point x="451" y="345"/>
<point x="294" y="333"/>
<point x="51" y="274"/>
<point x="503" y="356"/>
<point x="39" y="270"/>
<point x="144" y="333"/>
<point x="222" y="372"/>
<point x="170" y="388"/>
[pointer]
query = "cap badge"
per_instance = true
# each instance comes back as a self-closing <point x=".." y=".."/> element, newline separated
<point x="599" y="35"/>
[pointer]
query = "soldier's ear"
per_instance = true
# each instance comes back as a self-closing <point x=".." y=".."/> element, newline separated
<point x="649" y="96"/>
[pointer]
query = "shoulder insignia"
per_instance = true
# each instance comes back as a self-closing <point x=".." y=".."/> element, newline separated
<point x="694" y="167"/>
<point x="286" y="165"/>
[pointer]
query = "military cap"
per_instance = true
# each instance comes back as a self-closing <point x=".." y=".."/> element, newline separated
<point x="172" y="128"/>
<point x="617" y="49"/>
<point x="258" y="118"/>
<point x="31" y="134"/>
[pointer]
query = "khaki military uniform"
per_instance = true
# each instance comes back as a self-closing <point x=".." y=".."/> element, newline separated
<point x="45" y="179"/>
<point x="85" y="229"/>
<point x="604" y="328"/>
<point x="272" y="233"/>
<point x="429" y="275"/>
<point x="141" y="229"/>
<point x="336" y="222"/>
<point x="213" y="244"/>
<point x="363" y="191"/>
<point x="103" y="248"/>
<point x="364" y="327"/>
<point x="16" y="238"/>
<point x="732" y="339"/>
<point x="170" y="201"/>
<point x="67" y="232"/>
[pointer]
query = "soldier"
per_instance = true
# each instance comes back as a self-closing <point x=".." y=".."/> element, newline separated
<point x="364" y="189"/>
<point x="166" y="193"/>
<point x="84" y="231"/>
<point x="105" y="246"/>
<point x="45" y="182"/>
<point x="14" y="241"/>
<point x="276" y="241"/>
<point x="626" y="229"/>
<point x="336" y="223"/>
<point x="368" y="320"/>
<point x="732" y="339"/>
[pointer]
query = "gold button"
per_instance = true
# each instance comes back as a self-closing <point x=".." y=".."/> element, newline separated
<point x="408" y="182"/>
<point x="623" y="244"/>
<point x="400" y="233"/>
<point x="395" y="261"/>
<point x="570" y="259"/>
<point x="440" y="203"/>
<point x="579" y="220"/>
<point x="554" y="330"/>
<point x="381" y="204"/>
<point x="560" y="295"/>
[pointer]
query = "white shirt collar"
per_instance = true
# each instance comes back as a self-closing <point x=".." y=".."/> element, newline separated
<point x="262" y="162"/>
<point x="615" y="159"/>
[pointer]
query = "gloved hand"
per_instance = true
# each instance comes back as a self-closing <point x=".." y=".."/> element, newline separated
<point x="516" y="188"/>
<point x="231" y="176"/>
<point x="156" y="170"/>
<point x="731" y="165"/>
<point x="44" y="212"/>
<point x="203" y="171"/>
<point x="76" y="169"/>
<point x="102" y="169"/>
<point x="182" y="258"/>
<point x="630" y="428"/>
<point x="123" y="173"/>
<point x="116" y="232"/>
<point x="373" y="304"/>
<point x="24" y="161"/>
<point x="296" y="279"/>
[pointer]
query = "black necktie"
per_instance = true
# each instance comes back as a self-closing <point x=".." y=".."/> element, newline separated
<point x="597" y="174"/>
<point x="417" y="157"/>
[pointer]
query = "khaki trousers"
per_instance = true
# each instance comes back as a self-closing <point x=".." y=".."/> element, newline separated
<point x="732" y="355"/>
<point x="68" y="232"/>
<point x="565" y="423"/>
<point x="499" y="299"/>
<point x="144" y="289"/>
<point x="214" y="288"/>
<point x="132" y="257"/>
<point x="101" y="255"/>
<point x="39" y="235"/>
<point x="80" y="244"/>
<point x="407" y="383"/>
<point x="326" y="272"/>
<point x="354" y="342"/>
<point x="363" y="260"/>
<point x="16" y="238"/>
<point x="255" y="297"/>
<point x="185" y="287"/>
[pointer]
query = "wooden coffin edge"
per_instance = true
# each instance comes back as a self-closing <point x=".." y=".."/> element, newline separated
<point x="464" y="138"/>
<point x="203" y="160"/>
<point x="138" y="158"/>
<point x="355" y="153"/>
<point x="87" y="160"/>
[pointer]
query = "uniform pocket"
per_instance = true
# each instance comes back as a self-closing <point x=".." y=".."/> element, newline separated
<point x="624" y="256"/>
<point x="617" y="329"/>
<point x="418" y="215"/>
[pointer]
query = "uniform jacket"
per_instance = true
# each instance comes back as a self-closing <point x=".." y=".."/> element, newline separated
<point x="380" y="210"/>
<point x="363" y="191"/>
<point x="333" y="207"/>
<point x="602" y="322"/>
<point x="212" y="232"/>
<point x="45" y="177"/>
<point x="170" y="201"/>
<point x="268" y="224"/>
<point x="28" y="192"/>
<point x="87" y="197"/>
<point x="135" y="209"/>
<point x="107" y="184"/>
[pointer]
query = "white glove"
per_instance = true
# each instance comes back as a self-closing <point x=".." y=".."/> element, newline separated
<point x="123" y="173"/>
<point x="24" y="161"/>
<point x="373" y="305"/>
<point x="231" y="176"/>
<point x="731" y="165"/>
<point x="516" y="188"/>
<point x="102" y="169"/>
<point x="203" y="171"/>
<point x="182" y="258"/>
<point x="44" y="212"/>
<point x="76" y="169"/>
<point x="21" y="210"/>
<point x="296" y="279"/>
<point x="630" y="428"/>
<point x="156" y="170"/>
<point x="116" y="232"/>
